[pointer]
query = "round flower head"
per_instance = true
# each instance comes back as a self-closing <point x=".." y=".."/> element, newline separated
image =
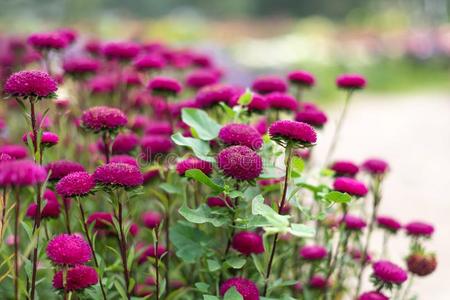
<point x="75" y="184"/>
<point x="313" y="117"/>
<point x="161" y="85"/>
<point x="357" y="255"/>
<point x="353" y="223"/>
<point x="68" y="249"/>
<point x="218" y="202"/>
<point x="287" y="131"/>
<point x="21" y="173"/>
<point x="124" y="143"/>
<point x="123" y="158"/>
<point x="154" y="145"/>
<point x="158" y="127"/>
<point x="375" y="166"/>
<point x="68" y="33"/>
<point x="212" y="95"/>
<point x="201" y="78"/>
<point x="60" y="168"/>
<point x="241" y="134"/>
<point x="313" y="252"/>
<point x="102" y="84"/>
<point x="421" y="264"/>
<point x="5" y="157"/>
<point x="78" y="278"/>
<point x="100" y="118"/>
<point x="48" y="138"/>
<point x="351" y="81"/>
<point x="121" y="50"/>
<point x="388" y="223"/>
<point x="31" y="84"/>
<point x="101" y="220"/>
<point x="118" y="174"/>
<point x="269" y="84"/>
<point x="151" y="219"/>
<point x="318" y="282"/>
<point x="350" y="186"/>
<point x="418" y="228"/>
<point x="258" y="103"/>
<point x="372" y="296"/>
<point x="282" y="101"/>
<point x="149" y="62"/>
<point x="344" y="168"/>
<point x="193" y="163"/>
<point x="47" y="41"/>
<point x="15" y="151"/>
<point x="301" y="78"/>
<point x="80" y="66"/>
<point x="388" y="272"/>
<point x="248" y="242"/>
<point x="51" y="209"/>
<point x="240" y="162"/>
<point x="175" y="108"/>
<point x="245" y="287"/>
<point x="152" y="252"/>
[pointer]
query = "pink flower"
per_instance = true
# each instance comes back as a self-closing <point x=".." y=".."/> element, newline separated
<point x="47" y="40"/>
<point x="51" y="209"/>
<point x="164" y="85"/>
<point x="241" y="134"/>
<point x="373" y="296"/>
<point x="103" y="118"/>
<point x="388" y="223"/>
<point x="294" y="131"/>
<point x="68" y="249"/>
<point x="350" y="81"/>
<point x="118" y="174"/>
<point x="211" y="95"/>
<point x="5" y="157"/>
<point x="60" y="168"/>
<point x="375" y="166"/>
<point x="218" y="202"/>
<point x="388" y="272"/>
<point x="75" y="184"/>
<point x="15" y="151"/>
<point x="124" y="143"/>
<point x="121" y="50"/>
<point x="150" y="251"/>
<point x="102" y="84"/>
<point x="313" y="252"/>
<point x="245" y="287"/>
<point x="81" y="66"/>
<point x="151" y="219"/>
<point x="301" y="78"/>
<point x="78" y="278"/>
<point x="68" y="33"/>
<point x="31" y="84"/>
<point x="269" y="84"/>
<point x="353" y="223"/>
<point x="418" y="228"/>
<point x="149" y="62"/>
<point x="344" y="168"/>
<point x="282" y="101"/>
<point x="193" y="163"/>
<point x="200" y="78"/>
<point x="101" y="220"/>
<point x="313" y="117"/>
<point x="240" y="162"/>
<point x="154" y="145"/>
<point x="21" y="173"/>
<point x="248" y="242"/>
<point x="48" y="138"/>
<point x="318" y="282"/>
<point x="351" y="186"/>
<point x="158" y="127"/>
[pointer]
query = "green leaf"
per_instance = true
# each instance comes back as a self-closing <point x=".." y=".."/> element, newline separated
<point x="202" y="214"/>
<point x="245" y="98"/>
<point x="270" y="172"/>
<point x="210" y="297"/>
<point x="206" y="128"/>
<point x="275" y="219"/>
<point x="232" y="294"/>
<point x="190" y="243"/>
<point x="120" y="289"/>
<point x="213" y="265"/>
<point x="199" y="176"/>
<point x="302" y="230"/>
<point x="298" y="165"/>
<point x="236" y="262"/>
<point x="200" y="148"/>
<point x="258" y="265"/>
<point x="202" y="287"/>
<point x="338" y="197"/>
<point x="171" y="188"/>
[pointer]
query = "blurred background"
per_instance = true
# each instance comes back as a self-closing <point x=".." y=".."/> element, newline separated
<point x="401" y="46"/>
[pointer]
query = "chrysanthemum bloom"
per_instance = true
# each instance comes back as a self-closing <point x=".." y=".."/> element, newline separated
<point x="150" y="251"/>
<point x="75" y="184"/>
<point x="245" y="287"/>
<point x="240" y="134"/>
<point x="218" y="202"/>
<point x="193" y="163"/>
<point x="93" y="47"/>
<point x="318" y="282"/>
<point x="282" y="101"/>
<point x="21" y="173"/>
<point x="100" y="118"/>
<point x="151" y="219"/>
<point x="48" y="138"/>
<point x="159" y="128"/>
<point x="200" y="78"/>
<point x="418" y="228"/>
<point x="78" y="278"/>
<point x="68" y="33"/>
<point x="313" y="252"/>
<point x="211" y="95"/>
<point x="103" y="84"/>
<point x="372" y="296"/>
<point x="123" y="51"/>
<point x="344" y="168"/>
<point x="261" y="126"/>
<point x="51" y="209"/>
<point x="62" y="104"/>
<point x="47" y="41"/>
<point x="351" y="186"/>
<point x="143" y="290"/>
<point x="258" y="103"/>
<point x="68" y="249"/>
<point x="139" y="122"/>
<point x="81" y="66"/>
<point x="5" y="157"/>
<point x="154" y="145"/>
<point x="375" y="166"/>
<point x="389" y="272"/>
<point x="60" y="168"/>
<point x="175" y="108"/>
<point x="357" y="255"/>
<point x="353" y="223"/>
<point x="351" y="81"/>
<point x="31" y="84"/>
<point x="248" y="242"/>
<point x="388" y="223"/>
<point x="118" y="175"/>
<point x="421" y="264"/>
<point x="124" y="143"/>
<point x="101" y="220"/>
<point x="150" y="175"/>
<point x="149" y="62"/>
<point x="166" y="86"/>
<point x="313" y="117"/>
<point x="15" y="151"/>
<point x="240" y="162"/>
<point x="123" y="158"/>
<point x="131" y="79"/>
<point x="301" y="78"/>
<point x="288" y="132"/>
<point x="269" y="84"/>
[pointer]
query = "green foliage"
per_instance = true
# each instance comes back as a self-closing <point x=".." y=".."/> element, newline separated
<point x="199" y="176"/>
<point x="190" y="243"/>
<point x="204" y="214"/>
<point x="206" y="128"/>
<point x="200" y="148"/>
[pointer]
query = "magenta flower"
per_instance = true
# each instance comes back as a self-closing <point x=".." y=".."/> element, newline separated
<point x="118" y="175"/>
<point x="193" y="163"/>
<point x="121" y="50"/>
<point x="68" y="33"/>
<point x="150" y="251"/>
<point x="101" y="220"/>
<point x="164" y="85"/>
<point x="68" y="249"/>
<point x="269" y="84"/>
<point x="149" y="62"/>
<point x="301" y="78"/>
<point x="248" y="242"/>
<point x="344" y="168"/>
<point x="175" y="108"/>
<point x="389" y="272"/>
<point x="124" y="158"/>
<point x="353" y="223"/>
<point x="351" y="81"/>
<point x="5" y="157"/>
<point x="48" y="138"/>
<point x="60" y="168"/>
<point x="81" y="66"/>
<point x="240" y="162"/>
<point x="292" y="131"/>
<point x="124" y="143"/>
<point x="31" y="84"/>
<point x="102" y="84"/>
<point x="150" y="175"/>
<point x="78" y="278"/>
<point x="75" y="184"/>
<point x="51" y="209"/>
<point x="211" y="95"/>
<point x="388" y="223"/>
<point x="15" y="151"/>
<point x="351" y="186"/>
<point x="372" y="296"/>
<point x="131" y="79"/>
<point x="151" y="219"/>
<point x="313" y="252"/>
<point x="159" y="128"/>
<point x="282" y="101"/>
<point x="200" y="78"/>
<point x="313" y="117"/>
<point x="245" y="287"/>
<point x="100" y="118"/>
<point x="154" y="145"/>
<point x="375" y="166"/>
<point x="218" y="202"/>
<point x="47" y="40"/>
<point x="318" y="282"/>
<point x="21" y="173"/>
<point x="418" y="229"/>
<point x="241" y="134"/>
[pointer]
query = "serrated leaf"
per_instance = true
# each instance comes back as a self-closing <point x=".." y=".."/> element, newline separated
<point x="206" y="128"/>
